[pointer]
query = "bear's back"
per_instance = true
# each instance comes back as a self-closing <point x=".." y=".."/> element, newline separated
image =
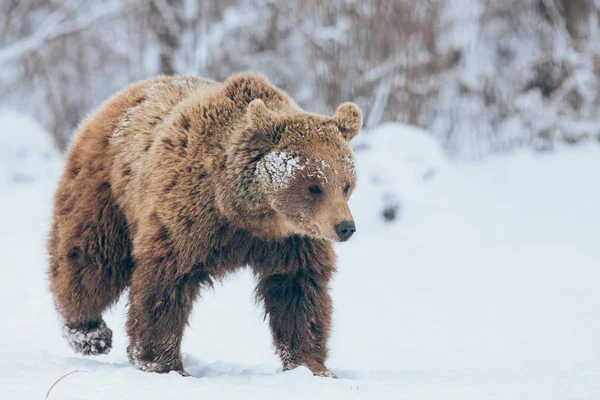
<point x="135" y="132"/>
<point x="132" y="138"/>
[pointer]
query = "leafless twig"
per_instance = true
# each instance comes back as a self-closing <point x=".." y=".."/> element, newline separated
<point x="61" y="378"/>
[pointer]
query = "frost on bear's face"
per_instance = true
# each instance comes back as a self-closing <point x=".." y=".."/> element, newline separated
<point x="277" y="169"/>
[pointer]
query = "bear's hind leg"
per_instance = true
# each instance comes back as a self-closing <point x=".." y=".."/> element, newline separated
<point x="90" y="261"/>
<point x="158" y="313"/>
<point x="162" y="292"/>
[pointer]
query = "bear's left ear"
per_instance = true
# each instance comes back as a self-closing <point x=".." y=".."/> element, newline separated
<point x="348" y="118"/>
<point x="264" y="120"/>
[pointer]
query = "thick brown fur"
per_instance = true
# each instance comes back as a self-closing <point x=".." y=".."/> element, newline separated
<point x="175" y="182"/>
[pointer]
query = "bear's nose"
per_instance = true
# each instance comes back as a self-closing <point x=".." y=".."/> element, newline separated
<point x="345" y="229"/>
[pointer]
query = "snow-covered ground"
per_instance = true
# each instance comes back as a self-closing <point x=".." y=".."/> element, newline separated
<point x="486" y="286"/>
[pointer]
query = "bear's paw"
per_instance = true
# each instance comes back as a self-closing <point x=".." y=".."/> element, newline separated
<point x="89" y="341"/>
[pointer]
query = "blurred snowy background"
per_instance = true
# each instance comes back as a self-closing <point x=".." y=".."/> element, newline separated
<point x="481" y="75"/>
<point x="475" y="270"/>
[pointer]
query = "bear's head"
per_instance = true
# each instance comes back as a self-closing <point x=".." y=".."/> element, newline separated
<point x="306" y="171"/>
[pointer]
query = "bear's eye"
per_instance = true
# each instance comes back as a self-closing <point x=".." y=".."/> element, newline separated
<point x="346" y="188"/>
<point x="315" y="189"/>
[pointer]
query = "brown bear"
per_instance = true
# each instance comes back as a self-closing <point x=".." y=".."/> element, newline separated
<point x="175" y="182"/>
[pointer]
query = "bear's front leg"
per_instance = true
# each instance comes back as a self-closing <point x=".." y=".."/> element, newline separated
<point x="299" y="308"/>
<point x="160" y="302"/>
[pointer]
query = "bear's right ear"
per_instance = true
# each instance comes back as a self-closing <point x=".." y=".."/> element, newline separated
<point x="348" y="118"/>
<point x="263" y="120"/>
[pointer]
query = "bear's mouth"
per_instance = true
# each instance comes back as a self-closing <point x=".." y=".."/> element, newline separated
<point x="310" y="230"/>
<point x="316" y="233"/>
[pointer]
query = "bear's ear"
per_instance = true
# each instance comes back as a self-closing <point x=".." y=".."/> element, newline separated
<point x="348" y="119"/>
<point x="263" y="120"/>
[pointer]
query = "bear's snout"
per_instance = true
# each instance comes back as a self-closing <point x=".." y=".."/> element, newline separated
<point x="345" y="230"/>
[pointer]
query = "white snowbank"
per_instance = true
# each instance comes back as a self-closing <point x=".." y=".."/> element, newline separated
<point x="398" y="164"/>
<point x="27" y="152"/>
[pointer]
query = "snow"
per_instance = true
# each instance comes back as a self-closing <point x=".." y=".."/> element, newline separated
<point x="27" y="153"/>
<point x="484" y="287"/>
<point x="492" y="99"/>
<point x="277" y="169"/>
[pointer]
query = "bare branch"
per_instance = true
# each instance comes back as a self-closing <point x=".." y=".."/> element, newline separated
<point x="56" y="27"/>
